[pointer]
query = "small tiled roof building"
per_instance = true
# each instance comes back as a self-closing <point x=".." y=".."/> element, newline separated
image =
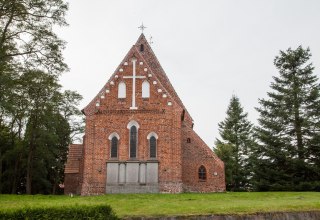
<point x="139" y="137"/>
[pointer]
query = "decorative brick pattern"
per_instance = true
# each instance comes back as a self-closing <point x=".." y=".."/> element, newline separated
<point x="106" y="113"/>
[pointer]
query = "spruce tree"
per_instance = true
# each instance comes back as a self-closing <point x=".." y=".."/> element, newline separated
<point x="289" y="126"/>
<point x="234" y="147"/>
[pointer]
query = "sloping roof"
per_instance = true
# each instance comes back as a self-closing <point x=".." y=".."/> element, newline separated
<point x="74" y="158"/>
<point x="148" y="55"/>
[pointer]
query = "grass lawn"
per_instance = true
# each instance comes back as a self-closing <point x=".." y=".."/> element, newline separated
<point x="177" y="204"/>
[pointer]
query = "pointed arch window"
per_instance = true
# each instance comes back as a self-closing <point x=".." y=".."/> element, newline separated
<point x="202" y="173"/>
<point x="133" y="127"/>
<point x="122" y="90"/>
<point x="114" y="142"/>
<point x="152" y="137"/>
<point x="133" y="142"/>
<point x="114" y="147"/>
<point x="145" y="89"/>
<point x="153" y="147"/>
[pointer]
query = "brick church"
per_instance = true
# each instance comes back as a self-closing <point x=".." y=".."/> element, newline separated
<point x="139" y="137"/>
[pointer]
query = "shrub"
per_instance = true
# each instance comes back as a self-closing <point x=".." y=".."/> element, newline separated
<point x="308" y="186"/>
<point x="70" y="212"/>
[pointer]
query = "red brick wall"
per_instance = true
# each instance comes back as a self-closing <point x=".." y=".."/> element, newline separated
<point x="195" y="154"/>
<point x="73" y="172"/>
<point x="71" y="182"/>
<point x="153" y="115"/>
<point x="178" y="161"/>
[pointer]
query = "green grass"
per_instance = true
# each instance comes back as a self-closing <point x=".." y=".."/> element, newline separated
<point x="177" y="204"/>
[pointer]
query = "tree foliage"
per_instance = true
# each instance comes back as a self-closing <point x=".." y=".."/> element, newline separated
<point x="26" y="33"/>
<point x="37" y="134"/>
<point x="289" y="125"/>
<point x="235" y="146"/>
<point x="37" y="120"/>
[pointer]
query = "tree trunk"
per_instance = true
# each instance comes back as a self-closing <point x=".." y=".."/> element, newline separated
<point x="297" y="126"/>
<point x="0" y="172"/>
<point x="54" y="187"/>
<point x="299" y="136"/>
<point x="29" y="169"/>
<point x="15" y="174"/>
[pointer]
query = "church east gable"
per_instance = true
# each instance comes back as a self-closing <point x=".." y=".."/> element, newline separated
<point x="135" y="135"/>
<point x="133" y="86"/>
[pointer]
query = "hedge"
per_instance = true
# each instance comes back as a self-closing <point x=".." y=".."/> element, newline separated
<point x="69" y="212"/>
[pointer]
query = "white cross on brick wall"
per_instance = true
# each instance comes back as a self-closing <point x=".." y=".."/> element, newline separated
<point x="134" y="77"/>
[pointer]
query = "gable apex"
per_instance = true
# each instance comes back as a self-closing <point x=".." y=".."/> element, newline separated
<point x="142" y="49"/>
<point x="156" y="68"/>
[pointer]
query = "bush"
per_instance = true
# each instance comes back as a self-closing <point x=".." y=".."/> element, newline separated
<point x="71" y="212"/>
<point x="308" y="186"/>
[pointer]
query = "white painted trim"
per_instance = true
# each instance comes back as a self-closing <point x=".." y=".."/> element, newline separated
<point x="152" y="134"/>
<point x="114" y="134"/>
<point x="131" y="123"/>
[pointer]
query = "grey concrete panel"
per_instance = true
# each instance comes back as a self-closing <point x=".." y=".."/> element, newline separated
<point x="142" y="173"/>
<point x="152" y="172"/>
<point x="132" y="174"/>
<point x="122" y="173"/>
<point x="132" y="177"/>
<point x="112" y="173"/>
<point x="132" y="188"/>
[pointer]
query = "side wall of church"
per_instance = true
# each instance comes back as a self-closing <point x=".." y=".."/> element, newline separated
<point x="195" y="153"/>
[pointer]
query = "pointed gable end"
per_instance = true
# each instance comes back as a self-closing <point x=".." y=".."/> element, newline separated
<point x="139" y="137"/>
<point x="155" y="74"/>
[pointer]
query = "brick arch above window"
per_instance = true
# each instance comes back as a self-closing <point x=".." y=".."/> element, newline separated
<point x="152" y="134"/>
<point x="133" y="123"/>
<point x="114" y="134"/>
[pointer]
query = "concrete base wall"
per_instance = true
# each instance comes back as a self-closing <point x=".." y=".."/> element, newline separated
<point x="132" y="188"/>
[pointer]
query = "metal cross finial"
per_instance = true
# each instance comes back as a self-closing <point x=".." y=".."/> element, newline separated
<point x="150" y="42"/>
<point x="142" y="27"/>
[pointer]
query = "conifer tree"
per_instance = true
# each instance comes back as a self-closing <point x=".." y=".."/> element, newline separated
<point x="235" y="145"/>
<point x="289" y="126"/>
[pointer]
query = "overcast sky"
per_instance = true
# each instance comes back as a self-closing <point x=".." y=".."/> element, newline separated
<point x="209" y="49"/>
